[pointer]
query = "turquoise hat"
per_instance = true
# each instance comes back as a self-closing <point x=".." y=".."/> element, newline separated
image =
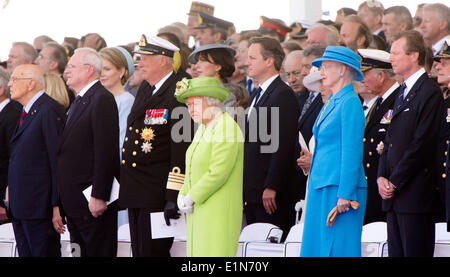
<point x="200" y="86"/>
<point x="343" y="55"/>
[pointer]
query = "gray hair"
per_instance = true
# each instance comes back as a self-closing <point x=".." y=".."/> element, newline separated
<point x="315" y="50"/>
<point x="29" y="54"/>
<point x="58" y="54"/>
<point x="441" y="12"/>
<point x="388" y="72"/>
<point x="332" y="37"/>
<point x="213" y="101"/>
<point x="91" y="57"/>
<point x="4" y="79"/>
<point x="402" y="14"/>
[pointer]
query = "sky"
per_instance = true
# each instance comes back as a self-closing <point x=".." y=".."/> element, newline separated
<point x="124" y="21"/>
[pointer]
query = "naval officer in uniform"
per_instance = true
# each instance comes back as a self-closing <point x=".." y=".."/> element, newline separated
<point x="379" y="80"/>
<point x="149" y="150"/>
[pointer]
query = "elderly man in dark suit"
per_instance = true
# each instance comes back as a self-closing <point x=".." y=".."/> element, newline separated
<point x="407" y="172"/>
<point x="9" y="118"/>
<point x="88" y="157"/>
<point x="269" y="162"/>
<point x="379" y="80"/>
<point x="151" y="150"/>
<point x="32" y="188"/>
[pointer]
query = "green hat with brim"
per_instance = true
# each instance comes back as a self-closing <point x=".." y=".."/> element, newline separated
<point x="201" y="86"/>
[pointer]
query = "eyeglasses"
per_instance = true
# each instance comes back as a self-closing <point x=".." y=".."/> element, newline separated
<point x="14" y="79"/>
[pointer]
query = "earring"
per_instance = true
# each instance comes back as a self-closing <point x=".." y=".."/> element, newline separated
<point x="340" y="75"/>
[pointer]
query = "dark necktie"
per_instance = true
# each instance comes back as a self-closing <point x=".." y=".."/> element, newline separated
<point x="306" y="105"/>
<point x="375" y="107"/>
<point x="257" y="94"/>
<point x="400" y="99"/>
<point x="149" y="94"/>
<point x="75" y="103"/>
<point x="249" y="85"/>
<point x="365" y="107"/>
<point x="24" y="113"/>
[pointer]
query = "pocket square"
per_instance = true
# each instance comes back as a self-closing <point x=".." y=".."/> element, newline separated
<point x="407" y="110"/>
<point x="382" y="130"/>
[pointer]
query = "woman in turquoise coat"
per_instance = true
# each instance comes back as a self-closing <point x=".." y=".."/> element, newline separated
<point x="211" y="195"/>
<point x="336" y="173"/>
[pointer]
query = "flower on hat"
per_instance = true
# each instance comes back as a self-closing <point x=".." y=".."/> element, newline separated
<point x="182" y="86"/>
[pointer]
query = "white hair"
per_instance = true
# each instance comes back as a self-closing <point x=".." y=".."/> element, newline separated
<point x="213" y="101"/>
<point x="4" y="79"/>
<point x="91" y="57"/>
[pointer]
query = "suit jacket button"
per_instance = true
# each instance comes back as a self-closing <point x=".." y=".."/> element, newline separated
<point x="136" y="142"/>
<point x="390" y="145"/>
<point x="370" y="153"/>
<point x="368" y="165"/>
<point x="137" y="131"/>
<point x="447" y="141"/>
<point x="134" y="153"/>
<point x="366" y="177"/>
<point x="131" y="128"/>
<point x="123" y="150"/>
<point x="371" y="140"/>
<point x="444" y="175"/>
<point x="364" y="139"/>
<point x="126" y="138"/>
<point x="123" y="161"/>
<point x="133" y="165"/>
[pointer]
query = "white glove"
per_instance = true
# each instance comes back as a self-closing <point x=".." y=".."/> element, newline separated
<point x="185" y="204"/>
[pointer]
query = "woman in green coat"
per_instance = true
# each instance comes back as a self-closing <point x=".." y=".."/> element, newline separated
<point x="211" y="195"/>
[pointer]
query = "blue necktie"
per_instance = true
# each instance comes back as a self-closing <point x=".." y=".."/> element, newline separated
<point x="257" y="94"/>
<point x="249" y="85"/>
<point x="75" y="103"/>
<point x="400" y="98"/>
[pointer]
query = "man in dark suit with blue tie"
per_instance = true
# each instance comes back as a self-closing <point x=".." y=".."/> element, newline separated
<point x="88" y="157"/>
<point x="9" y="118"/>
<point x="407" y="172"/>
<point x="269" y="162"/>
<point x="32" y="188"/>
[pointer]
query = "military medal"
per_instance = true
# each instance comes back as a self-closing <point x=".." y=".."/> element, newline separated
<point x="387" y="117"/>
<point x="147" y="135"/>
<point x="156" y="116"/>
<point x="380" y="147"/>
<point x="146" y="147"/>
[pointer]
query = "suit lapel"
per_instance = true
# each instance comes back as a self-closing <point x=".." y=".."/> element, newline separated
<point x="411" y="95"/>
<point x="268" y="91"/>
<point x="142" y="103"/>
<point x="384" y="107"/>
<point x="81" y="107"/>
<point x="309" y="111"/>
<point x="157" y="97"/>
<point x="34" y="110"/>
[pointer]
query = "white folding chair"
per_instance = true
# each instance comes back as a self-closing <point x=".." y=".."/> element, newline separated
<point x="293" y="242"/>
<point x="442" y="240"/>
<point x="374" y="240"/>
<point x="124" y="241"/>
<point x="441" y="234"/>
<point x="261" y="240"/>
<point x="66" y="246"/>
<point x="7" y="241"/>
